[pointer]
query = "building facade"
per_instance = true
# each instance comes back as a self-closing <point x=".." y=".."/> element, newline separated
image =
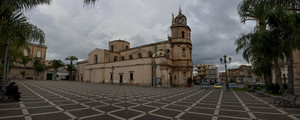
<point x="296" y="64"/>
<point x="202" y="72"/>
<point x="32" y="50"/>
<point x="208" y="73"/>
<point x="167" y="63"/>
<point x="222" y="77"/>
<point x="242" y="74"/>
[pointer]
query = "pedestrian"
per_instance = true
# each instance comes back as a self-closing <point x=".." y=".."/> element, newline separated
<point x="12" y="90"/>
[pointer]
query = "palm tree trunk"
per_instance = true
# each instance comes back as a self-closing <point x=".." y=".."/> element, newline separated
<point x="71" y="76"/>
<point x="23" y="76"/>
<point x="36" y="74"/>
<point x="290" y="63"/>
<point x="268" y="78"/>
<point x="278" y="76"/>
<point x="55" y="74"/>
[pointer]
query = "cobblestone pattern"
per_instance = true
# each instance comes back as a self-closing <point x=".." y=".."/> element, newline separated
<point x="62" y="100"/>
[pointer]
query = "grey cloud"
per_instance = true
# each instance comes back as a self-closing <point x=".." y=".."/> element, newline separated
<point x="72" y="29"/>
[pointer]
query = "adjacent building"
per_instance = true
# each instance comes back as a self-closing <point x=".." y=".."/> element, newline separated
<point x="32" y="50"/>
<point x="296" y="64"/>
<point x="242" y="74"/>
<point x="208" y="73"/>
<point x="167" y="63"/>
<point x="222" y="77"/>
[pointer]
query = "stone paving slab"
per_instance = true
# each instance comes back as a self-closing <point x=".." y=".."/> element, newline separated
<point x="53" y="116"/>
<point x="191" y="116"/>
<point x="62" y="100"/>
<point x="42" y="110"/>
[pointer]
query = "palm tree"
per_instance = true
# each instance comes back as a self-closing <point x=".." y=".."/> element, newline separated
<point x="15" y="30"/>
<point x="55" y="64"/>
<point x="272" y="43"/>
<point x="71" y="59"/>
<point x="38" y="66"/>
<point x="24" y="60"/>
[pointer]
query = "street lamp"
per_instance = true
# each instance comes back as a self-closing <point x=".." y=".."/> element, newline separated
<point x="112" y="74"/>
<point x="154" y="65"/>
<point x="225" y="61"/>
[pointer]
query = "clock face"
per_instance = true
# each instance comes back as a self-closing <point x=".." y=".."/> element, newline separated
<point x="180" y="21"/>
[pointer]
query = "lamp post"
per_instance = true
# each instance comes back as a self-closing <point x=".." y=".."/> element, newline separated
<point x="225" y="61"/>
<point x="154" y="65"/>
<point x="112" y="74"/>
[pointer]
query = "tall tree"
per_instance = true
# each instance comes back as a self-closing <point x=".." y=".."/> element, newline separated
<point x="23" y="61"/>
<point x="39" y="67"/>
<point x="15" y="30"/>
<point x="71" y="59"/>
<point x="55" y="64"/>
<point x="274" y="36"/>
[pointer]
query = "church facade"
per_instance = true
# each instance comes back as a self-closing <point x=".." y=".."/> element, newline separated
<point x="166" y="63"/>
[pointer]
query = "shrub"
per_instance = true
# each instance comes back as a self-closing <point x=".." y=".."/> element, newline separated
<point x="274" y="88"/>
<point x="285" y="86"/>
<point x="190" y="81"/>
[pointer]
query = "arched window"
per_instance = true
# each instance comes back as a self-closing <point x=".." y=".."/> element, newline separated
<point x="140" y="55"/>
<point x="112" y="48"/>
<point x="182" y="34"/>
<point x="115" y="58"/>
<point x="130" y="57"/>
<point x="38" y="53"/>
<point x="122" y="58"/>
<point x="183" y="52"/>
<point x="96" y="59"/>
<point x="150" y="54"/>
<point x="126" y="47"/>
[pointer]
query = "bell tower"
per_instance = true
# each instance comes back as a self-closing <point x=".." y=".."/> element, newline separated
<point x="181" y="37"/>
<point x="180" y="40"/>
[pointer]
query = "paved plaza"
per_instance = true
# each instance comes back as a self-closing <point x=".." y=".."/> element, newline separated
<point x="63" y="100"/>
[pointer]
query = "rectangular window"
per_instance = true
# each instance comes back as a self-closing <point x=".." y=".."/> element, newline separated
<point x="111" y="76"/>
<point x="131" y="76"/>
<point x="25" y="52"/>
<point x="38" y="53"/>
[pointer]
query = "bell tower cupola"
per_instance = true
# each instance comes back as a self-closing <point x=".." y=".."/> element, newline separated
<point x="180" y="31"/>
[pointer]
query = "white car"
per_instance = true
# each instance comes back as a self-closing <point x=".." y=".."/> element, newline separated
<point x="232" y="85"/>
<point x="260" y="83"/>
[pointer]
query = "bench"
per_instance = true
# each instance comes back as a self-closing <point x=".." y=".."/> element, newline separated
<point x="251" y="90"/>
<point x="286" y="99"/>
<point x="261" y="92"/>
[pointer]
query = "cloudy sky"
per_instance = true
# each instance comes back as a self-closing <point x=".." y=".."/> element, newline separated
<point x="72" y="29"/>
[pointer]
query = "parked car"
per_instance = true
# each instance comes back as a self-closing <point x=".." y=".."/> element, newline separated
<point x="204" y="85"/>
<point x="217" y="86"/>
<point x="260" y="83"/>
<point x="232" y="85"/>
<point x="221" y="83"/>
